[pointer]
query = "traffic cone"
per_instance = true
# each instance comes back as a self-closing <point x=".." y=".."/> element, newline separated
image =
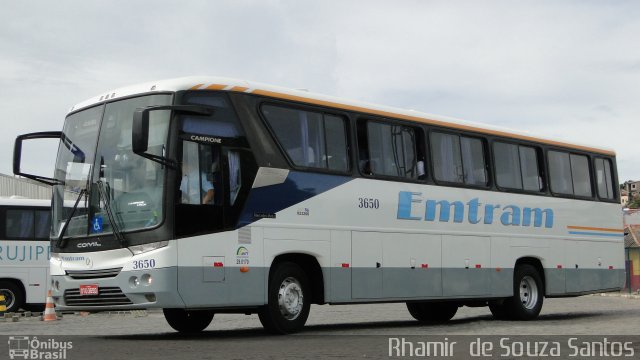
<point x="49" y="311"/>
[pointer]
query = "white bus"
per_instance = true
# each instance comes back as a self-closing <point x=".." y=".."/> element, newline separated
<point x="212" y="195"/>
<point x="24" y="252"/>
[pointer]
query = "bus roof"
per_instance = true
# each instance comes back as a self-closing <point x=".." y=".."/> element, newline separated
<point x="10" y="201"/>
<point x="234" y="85"/>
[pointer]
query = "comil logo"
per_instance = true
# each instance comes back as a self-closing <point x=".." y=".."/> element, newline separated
<point x="25" y="347"/>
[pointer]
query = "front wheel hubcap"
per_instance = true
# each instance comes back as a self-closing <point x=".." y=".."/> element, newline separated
<point x="528" y="292"/>
<point x="290" y="298"/>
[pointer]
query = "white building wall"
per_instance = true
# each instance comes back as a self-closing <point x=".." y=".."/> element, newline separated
<point x="16" y="186"/>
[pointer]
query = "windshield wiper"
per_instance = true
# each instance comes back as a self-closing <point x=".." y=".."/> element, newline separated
<point x="61" y="243"/>
<point x="107" y="206"/>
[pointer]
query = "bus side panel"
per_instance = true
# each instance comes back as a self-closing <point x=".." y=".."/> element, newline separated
<point x="36" y="288"/>
<point x="339" y="280"/>
<point x="412" y="265"/>
<point x="209" y="274"/>
<point x="466" y="262"/>
<point x="502" y="279"/>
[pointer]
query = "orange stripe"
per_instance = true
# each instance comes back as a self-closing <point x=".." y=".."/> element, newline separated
<point x="594" y="228"/>
<point x="427" y="121"/>
<point x="216" y="87"/>
<point x="239" y="88"/>
<point x="418" y="119"/>
<point x="195" y="87"/>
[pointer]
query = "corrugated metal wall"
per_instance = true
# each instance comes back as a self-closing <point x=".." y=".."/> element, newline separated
<point x="10" y="186"/>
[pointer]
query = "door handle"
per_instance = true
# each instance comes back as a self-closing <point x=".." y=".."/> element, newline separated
<point x="378" y="265"/>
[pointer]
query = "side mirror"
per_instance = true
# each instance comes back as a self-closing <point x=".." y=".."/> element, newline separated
<point x="140" y="128"/>
<point x="140" y="131"/>
<point x="17" y="155"/>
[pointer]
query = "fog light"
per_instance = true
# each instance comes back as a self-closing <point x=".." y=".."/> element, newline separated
<point x="134" y="281"/>
<point x="146" y="279"/>
<point x="150" y="297"/>
<point x="56" y="285"/>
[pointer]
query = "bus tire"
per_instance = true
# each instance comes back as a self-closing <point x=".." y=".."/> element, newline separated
<point x="528" y="294"/>
<point x="428" y="312"/>
<point x="13" y="294"/>
<point x="188" y="321"/>
<point x="289" y="300"/>
<point x="498" y="310"/>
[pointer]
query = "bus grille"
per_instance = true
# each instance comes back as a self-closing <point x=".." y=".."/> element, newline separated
<point x="93" y="274"/>
<point x="107" y="296"/>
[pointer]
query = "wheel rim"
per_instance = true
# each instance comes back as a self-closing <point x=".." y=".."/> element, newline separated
<point x="9" y="297"/>
<point x="528" y="292"/>
<point x="290" y="298"/>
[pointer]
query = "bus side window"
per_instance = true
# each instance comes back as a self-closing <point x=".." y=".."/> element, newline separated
<point x="604" y="178"/>
<point x="390" y="150"/>
<point x="310" y="139"/>
<point x="20" y="224"/>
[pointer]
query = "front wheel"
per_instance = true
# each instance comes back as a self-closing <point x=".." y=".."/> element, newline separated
<point x="289" y="299"/>
<point x="188" y="321"/>
<point x="426" y="312"/>
<point x="13" y="296"/>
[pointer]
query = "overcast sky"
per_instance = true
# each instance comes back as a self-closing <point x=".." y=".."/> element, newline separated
<point x="566" y="69"/>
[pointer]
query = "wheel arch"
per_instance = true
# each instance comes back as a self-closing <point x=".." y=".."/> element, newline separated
<point x="310" y="265"/>
<point x="537" y="264"/>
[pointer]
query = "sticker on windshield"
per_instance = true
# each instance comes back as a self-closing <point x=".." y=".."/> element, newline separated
<point x="96" y="224"/>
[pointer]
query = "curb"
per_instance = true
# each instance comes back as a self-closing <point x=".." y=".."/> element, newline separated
<point x="622" y="295"/>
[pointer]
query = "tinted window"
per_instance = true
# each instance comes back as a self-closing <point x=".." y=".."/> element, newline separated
<point x="19" y="224"/>
<point x="310" y="139"/>
<point x="392" y="150"/>
<point x="603" y="179"/>
<point x="458" y="159"/>
<point x="507" y="159"/>
<point x="560" y="172"/>
<point x="473" y="162"/>
<point x="569" y="174"/>
<point x="531" y="179"/>
<point x="43" y="224"/>
<point x="447" y="161"/>
<point x="580" y="175"/>
<point x="517" y="167"/>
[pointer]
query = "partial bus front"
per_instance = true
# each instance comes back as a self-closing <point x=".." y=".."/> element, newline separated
<point x="118" y="211"/>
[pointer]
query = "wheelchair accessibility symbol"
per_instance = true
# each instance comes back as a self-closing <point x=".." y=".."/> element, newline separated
<point x="96" y="224"/>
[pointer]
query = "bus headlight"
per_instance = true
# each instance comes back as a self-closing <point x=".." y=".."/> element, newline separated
<point x="139" y="249"/>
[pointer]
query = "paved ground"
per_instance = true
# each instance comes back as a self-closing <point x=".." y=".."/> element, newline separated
<point x="332" y="331"/>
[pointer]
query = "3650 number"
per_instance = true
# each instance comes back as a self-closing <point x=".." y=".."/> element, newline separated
<point x="368" y="203"/>
<point x="144" y="264"/>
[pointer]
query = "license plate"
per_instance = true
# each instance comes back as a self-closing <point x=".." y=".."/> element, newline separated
<point x="88" y="289"/>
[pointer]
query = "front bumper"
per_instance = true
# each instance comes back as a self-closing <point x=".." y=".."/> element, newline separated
<point x="128" y="290"/>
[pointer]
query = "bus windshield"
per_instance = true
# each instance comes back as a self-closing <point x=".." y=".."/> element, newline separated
<point x="109" y="172"/>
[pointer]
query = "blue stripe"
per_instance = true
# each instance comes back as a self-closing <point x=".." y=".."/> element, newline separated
<point x="593" y="234"/>
<point x="298" y="187"/>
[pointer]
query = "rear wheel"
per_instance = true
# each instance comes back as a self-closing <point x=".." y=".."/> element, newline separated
<point x="13" y="296"/>
<point x="527" y="299"/>
<point x="188" y="321"/>
<point x="289" y="299"/>
<point x="427" y="312"/>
